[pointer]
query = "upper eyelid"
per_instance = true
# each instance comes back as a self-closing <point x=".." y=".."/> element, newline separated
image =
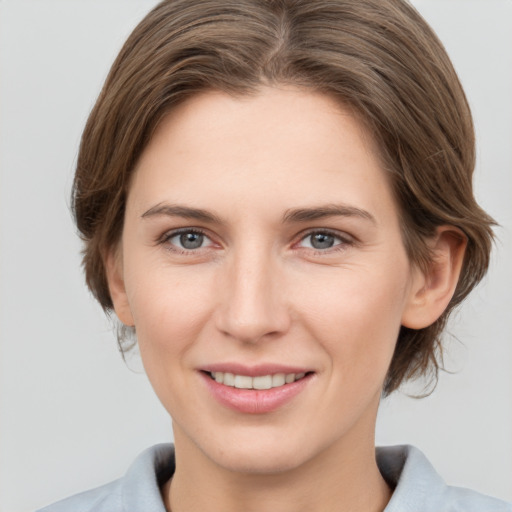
<point x="178" y="231"/>
<point x="165" y="240"/>
<point x="166" y="237"/>
<point x="343" y="236"/>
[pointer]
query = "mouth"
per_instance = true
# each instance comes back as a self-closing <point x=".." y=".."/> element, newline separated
<point x="256" y="389"/>
<point x="261" y="382"/>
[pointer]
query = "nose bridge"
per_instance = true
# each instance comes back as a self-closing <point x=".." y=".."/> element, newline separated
<point x="253" y="303"/>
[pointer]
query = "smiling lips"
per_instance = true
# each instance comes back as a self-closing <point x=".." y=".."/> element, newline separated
<point x="260" y="382"/>
<point x="263" y="392"/>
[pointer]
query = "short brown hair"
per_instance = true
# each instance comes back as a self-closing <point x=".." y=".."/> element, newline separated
<point x="379" y="57"/>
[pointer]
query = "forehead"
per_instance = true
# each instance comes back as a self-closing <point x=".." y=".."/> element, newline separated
<point x="283" y="145"/>
<point x="254" y="121"/>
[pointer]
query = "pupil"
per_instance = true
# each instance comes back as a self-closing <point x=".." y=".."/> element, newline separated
<point x="322" y="241"/>
<point x="191" y="240"/>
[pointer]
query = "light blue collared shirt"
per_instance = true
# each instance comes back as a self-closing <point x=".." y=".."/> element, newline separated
<point x="418" y="487"/>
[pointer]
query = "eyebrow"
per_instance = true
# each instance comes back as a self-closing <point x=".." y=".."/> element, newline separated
<point x="182" y="211"/>
<point x="290" y="216"/>
<point x="330" y="210"/>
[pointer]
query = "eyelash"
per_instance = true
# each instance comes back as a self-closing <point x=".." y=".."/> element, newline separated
<point x="167" y="237"/>
<point x="343" y="241"/>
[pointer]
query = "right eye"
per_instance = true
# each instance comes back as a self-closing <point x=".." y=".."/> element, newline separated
<point x="187" y="240"/>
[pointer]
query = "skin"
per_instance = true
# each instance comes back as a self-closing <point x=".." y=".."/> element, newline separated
<point x="258" y="291"/>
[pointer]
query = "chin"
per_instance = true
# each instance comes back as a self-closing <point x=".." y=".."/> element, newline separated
<point x="259" y="452"/>
<point x="245" y="461"/>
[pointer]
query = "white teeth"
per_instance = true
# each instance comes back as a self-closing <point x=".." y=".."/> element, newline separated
<point x="289" y="378"/>
<point x="279" y="379"/>
<point x="264" y="382"/>
<point x="243" y="382"/>
<point x="260" y="382"/>
<point x="229" y="379"/>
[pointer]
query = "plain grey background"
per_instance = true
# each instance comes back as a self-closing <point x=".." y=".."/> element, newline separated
<point x="72" y="416"/>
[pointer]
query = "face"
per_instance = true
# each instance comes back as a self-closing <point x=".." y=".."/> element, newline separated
<point x="263" y="268"/>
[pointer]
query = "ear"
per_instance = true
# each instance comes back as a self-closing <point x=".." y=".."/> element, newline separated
<point x="116" y="286"/>
<point x="432" y="289"/>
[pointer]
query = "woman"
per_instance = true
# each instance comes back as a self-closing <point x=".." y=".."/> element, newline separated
<point x="275" y="196"/>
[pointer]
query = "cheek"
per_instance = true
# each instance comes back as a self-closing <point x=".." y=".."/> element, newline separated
<point x="356" y="316"/>
<point x="170" y="307"/>
<point x="170" y="311"/>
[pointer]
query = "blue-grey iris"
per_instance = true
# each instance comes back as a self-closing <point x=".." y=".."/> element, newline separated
<point x="191" y="240"/>
<point x="322" y="241"/>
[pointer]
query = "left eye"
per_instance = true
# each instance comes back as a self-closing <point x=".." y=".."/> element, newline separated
<point x="321" y="240"/>
<point x="189" y="240"/>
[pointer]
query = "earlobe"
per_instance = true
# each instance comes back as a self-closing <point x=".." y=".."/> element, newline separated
<point x="116" y="285"/>
<point x="432" y="289"/>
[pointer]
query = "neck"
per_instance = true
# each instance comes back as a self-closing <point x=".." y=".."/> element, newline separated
<point x="344" y="476"/>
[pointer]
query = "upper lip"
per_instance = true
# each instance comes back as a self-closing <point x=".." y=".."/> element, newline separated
<point x="253" y="370"/>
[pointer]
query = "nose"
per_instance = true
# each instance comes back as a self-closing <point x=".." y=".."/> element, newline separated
<point x="253" y="305"/>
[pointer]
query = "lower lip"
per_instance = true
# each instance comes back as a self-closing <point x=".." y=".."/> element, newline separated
<point x="255" y="401"/>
